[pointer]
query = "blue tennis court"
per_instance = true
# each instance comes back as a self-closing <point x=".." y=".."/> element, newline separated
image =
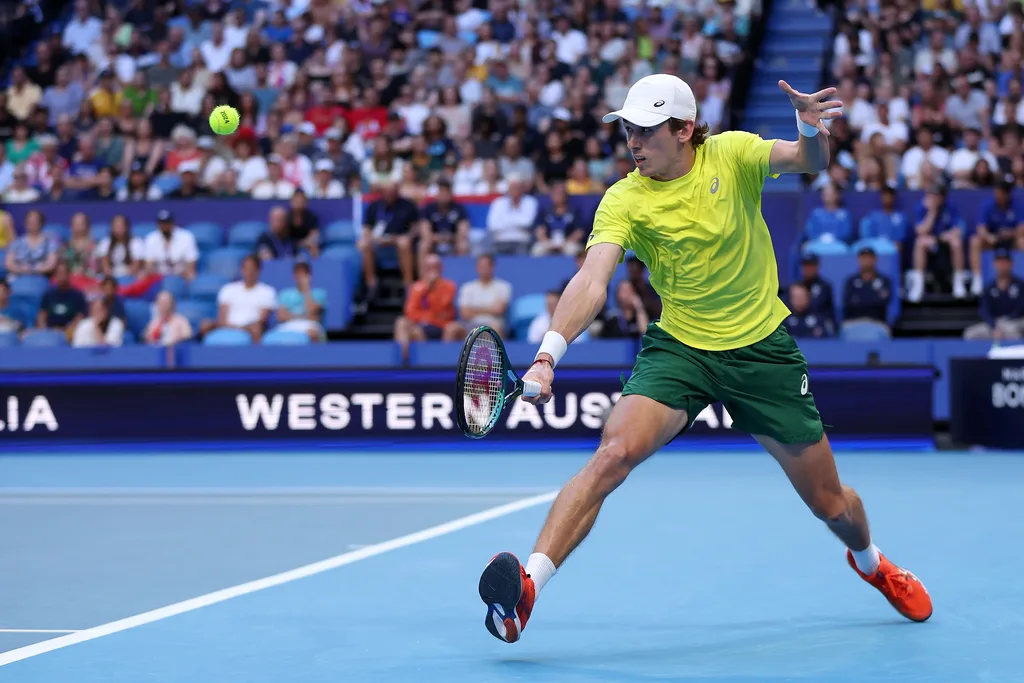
<point x="175" y="568"/>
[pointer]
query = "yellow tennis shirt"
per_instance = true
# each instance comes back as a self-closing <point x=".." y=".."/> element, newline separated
<point x="705" y="243"/>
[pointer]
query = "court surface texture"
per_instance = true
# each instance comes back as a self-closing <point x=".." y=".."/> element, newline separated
<point x="703" y="567"/>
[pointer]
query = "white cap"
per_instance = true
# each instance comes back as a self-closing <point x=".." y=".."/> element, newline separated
<point x="655" y="99"/>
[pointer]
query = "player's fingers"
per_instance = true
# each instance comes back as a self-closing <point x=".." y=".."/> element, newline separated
<point x="823" y="128"/>
<point x="831" y="104"/>
<point x="787" y="88"/>
<point x="822" y="94"/>
<point x="830" y="114"/>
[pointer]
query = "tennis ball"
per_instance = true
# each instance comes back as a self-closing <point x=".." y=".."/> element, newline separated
<point x="224" y="120"/>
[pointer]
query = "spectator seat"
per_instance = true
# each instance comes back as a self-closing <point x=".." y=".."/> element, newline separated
<point x="227" y="336"/>
<point x="285" y="338"/>
<point x="206" y="287"/>
<point x="522" y="311"/>
<point x="209" y="235"/>
<point x="863" y="331"/>
<point x="44" y="338"/>
<point x="245" y="234"/>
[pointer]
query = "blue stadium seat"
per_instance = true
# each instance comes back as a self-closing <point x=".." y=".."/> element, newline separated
<point x="880" y="245"/>
<point x="44" y="338"/>
<point x="24" y="311"/>
<point x="246" y="233"/>
<point x="129" y="338"/>
<point x="176" y="285"/>
<point x="3" y="263"/>
<point x="206" y="287"/>
<point x="209" y="235"/>
<point x="227" y="336"/>
<point x="8" y="339"/>
<point x="863" y="331"/>
<point x="351" y="258"/>
<point x="58" y="231"/>
<point x="167" y="183"/>
<point x="137" y="313"/>
<point x="29" y="287"/>
<point x="522" y="312"/>
<point x="225" y="262"/>
<point x="196" y="312"/>
<point x="340" y="232"/>
<point x="286" y="338"/>
<point x="826" y="247"/>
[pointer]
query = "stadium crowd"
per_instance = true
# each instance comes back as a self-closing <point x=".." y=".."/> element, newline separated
<point x="933" y="102"/>
<point x="422" y="103"/>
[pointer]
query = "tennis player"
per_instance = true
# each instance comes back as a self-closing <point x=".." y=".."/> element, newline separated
<point x="691" y="211"/>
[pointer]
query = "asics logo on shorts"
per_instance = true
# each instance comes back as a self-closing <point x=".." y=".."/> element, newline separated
<point x="803" y="385"/>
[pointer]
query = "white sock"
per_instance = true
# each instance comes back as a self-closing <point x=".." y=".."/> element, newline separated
<point x="541" y="569"/>
<point x="867" y="560"/>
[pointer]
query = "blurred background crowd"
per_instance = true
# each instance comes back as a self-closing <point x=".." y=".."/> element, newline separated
<point x="421" y="106"/>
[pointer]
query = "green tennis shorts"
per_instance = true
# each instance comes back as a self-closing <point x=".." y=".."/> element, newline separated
<point x="764" y="386"/>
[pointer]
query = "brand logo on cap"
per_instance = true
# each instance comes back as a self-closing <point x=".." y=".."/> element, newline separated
<point x="659" y="103"/>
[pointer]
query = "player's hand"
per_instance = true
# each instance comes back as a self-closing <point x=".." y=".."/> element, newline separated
<point x="542" y="374"/>
<point x="811" y="109"/>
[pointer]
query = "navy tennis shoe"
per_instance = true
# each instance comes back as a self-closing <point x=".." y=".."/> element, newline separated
<point x="508" y="592"/>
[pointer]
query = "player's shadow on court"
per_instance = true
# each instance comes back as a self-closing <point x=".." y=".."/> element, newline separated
<point x="720" y="653"/>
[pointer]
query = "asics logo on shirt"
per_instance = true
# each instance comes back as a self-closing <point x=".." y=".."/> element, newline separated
<point x="714" y="185"/>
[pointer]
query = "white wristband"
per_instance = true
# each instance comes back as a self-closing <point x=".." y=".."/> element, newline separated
<point x="554" y="345"/>
<point x="807" y="130"/>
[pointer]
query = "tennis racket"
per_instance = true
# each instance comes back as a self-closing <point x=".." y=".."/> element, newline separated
<point x="486" y="384"/>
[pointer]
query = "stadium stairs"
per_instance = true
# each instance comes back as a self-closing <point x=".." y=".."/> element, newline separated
<point x="796" y="41"/>
<point x="377" y="321"/>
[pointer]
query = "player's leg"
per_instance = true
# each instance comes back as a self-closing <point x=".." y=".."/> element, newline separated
<point x="668" y="385"/>
<point x="767" y="391"/>
<point x="811" y="469"/>
<point x="637" y="427"/>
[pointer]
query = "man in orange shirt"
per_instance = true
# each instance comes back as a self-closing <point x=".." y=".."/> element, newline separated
<point x="429" y="308"/>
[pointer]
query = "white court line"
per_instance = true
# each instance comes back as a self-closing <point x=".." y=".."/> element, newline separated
<point x="316" y="501"/>
<point x="303" y="572"/>
<point x="269" y="491"/>
<point x="38" y="630"/>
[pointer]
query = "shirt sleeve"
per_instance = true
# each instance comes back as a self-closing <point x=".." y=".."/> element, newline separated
<point x="611" y="221"/>
<point x="751" y="152"/>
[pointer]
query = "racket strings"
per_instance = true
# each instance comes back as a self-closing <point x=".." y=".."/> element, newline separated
<point x="484" y="392"/>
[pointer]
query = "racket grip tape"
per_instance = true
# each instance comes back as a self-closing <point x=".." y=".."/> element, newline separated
<point x="531" y="388"/>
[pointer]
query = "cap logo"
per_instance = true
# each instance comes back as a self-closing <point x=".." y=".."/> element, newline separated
<point x="659" y="103"/>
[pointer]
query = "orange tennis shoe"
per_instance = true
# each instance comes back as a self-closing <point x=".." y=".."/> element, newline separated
<point x="903" y="590"/>
<point x="508" y="592"/>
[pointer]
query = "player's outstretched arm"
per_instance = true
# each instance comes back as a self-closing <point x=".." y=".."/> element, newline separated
<point x="810" y="153"/>
<point x="582" y="300"/>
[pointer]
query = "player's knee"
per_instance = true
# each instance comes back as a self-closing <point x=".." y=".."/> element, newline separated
<point x="829" y="504"/>
<point x="612" y="464"/>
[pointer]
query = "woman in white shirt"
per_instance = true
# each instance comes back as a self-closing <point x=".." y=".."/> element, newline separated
<point x="469" y="172"/>
<point x="99" y="329"/>
<point x="120" y="255"/>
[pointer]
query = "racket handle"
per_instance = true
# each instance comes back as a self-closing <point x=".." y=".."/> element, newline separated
<point x="531" y="388"/>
